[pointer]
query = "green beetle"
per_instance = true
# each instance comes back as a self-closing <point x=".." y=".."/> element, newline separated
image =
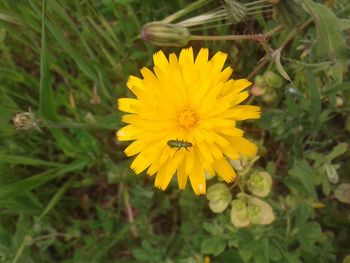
<point x="179" y="144"/>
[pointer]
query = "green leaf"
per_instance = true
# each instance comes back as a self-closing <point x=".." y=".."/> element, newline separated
<point x="56" y="198"/>
<point x="277" y="59"/>
<point x="337" y="88"/>
<point x="305" y="174"/>
<point x="337" y="151"/>
<point x="61" y="40"/>
<point x="214" y="245"/>
<point x="315" y="98"/>
<point x="17" y="188"/>
<point x="329" y="30"/>
<point x="17" y="159"/>
<point x="343" y="193"/>
<point x="47" y="100"/>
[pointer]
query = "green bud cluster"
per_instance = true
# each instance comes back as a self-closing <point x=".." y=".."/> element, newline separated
<point x="266" y="86"/>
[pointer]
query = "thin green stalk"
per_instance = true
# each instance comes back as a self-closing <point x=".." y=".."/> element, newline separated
<point x="185" y="10"/>
<point x="63" y="125"/>
<point x="255" y="3"/>
<point x="258" y="7"/>
<point x="258" y="12"/>
<point x="21" y="249"/>
<point x="256" y="37"/>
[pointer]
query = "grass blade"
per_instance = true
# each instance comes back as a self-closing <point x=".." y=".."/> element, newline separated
<point x="47" y="101"/>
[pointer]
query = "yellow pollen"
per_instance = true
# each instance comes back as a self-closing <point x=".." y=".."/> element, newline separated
<point x="186" y="119"/>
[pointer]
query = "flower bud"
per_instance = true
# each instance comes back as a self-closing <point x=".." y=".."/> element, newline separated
<point x="259" y="184"/>
<point x="165" y="34"/>
<point x="236" y="11"/>
<point x="219" y="197"/>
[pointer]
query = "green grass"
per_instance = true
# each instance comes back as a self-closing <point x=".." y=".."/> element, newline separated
<point x="66" y="190"/>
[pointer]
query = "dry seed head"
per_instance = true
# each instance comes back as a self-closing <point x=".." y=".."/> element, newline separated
<point x="164" y="34"/>
<point x="25" y="121"/>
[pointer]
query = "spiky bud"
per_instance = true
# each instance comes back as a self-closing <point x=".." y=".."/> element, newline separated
<point x="236" y="11"/>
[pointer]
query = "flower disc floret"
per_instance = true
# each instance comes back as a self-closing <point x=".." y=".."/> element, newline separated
<point x="193" y="103"/>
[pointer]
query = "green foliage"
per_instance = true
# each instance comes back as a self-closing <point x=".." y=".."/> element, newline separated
<point x="67" y="193"/>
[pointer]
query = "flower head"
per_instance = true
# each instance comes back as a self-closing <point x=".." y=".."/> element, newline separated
<point x="183" y="119"/>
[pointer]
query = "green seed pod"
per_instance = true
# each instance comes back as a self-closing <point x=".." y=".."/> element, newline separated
<point x="260" y="212"/>
<point x="259" y="81"/>
<point x="239" y="213"/>
<point x="270" y="96"/>
<point x="219" y="197"/>
<point x="272" y="79"/>
<point x="165" y="34"/>
<point x="260" y="183"/>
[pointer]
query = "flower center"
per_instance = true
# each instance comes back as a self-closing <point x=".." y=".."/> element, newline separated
<point x="186" y="119"/>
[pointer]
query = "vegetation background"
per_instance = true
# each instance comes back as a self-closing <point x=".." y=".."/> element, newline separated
<point x="67" y="193"/>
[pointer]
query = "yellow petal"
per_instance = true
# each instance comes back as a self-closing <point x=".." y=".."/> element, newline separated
<point x="135" y="85"/>
<point x="197" y="178"/>
<point x="128" y="105"/>
<point x="218" y="61"/>
<point x="140" y="163"/>
<point x="244" y="146"/>
<point x="240" y="97"/>
<point x="167" y="171"/>
<point x="128" y="133"/>
<point x="225" y="170"/>
<point x="186" y="56"/>
<point x="226" y="73"/>
<point x="202" y="57"/>
<point x="160" y="60"/>
<point x="182" y="176"/>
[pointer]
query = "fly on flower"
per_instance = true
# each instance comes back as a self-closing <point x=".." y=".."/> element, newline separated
<point x="193" y="99"/>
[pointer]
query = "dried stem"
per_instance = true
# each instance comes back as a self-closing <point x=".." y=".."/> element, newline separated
<point x="129" y="213"/>
<point x="257" y="37"/>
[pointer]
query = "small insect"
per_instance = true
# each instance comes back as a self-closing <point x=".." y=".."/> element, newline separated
<point x="179" y="144"/>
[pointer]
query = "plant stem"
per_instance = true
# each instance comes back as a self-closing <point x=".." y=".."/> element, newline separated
<point x="185" y="10"/>
<point x="63" y="125"/>
<point x="289" y="38"/>
<point x="256" y="37"/>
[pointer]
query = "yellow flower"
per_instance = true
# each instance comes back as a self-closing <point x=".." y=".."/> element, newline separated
<point x="183" y="119"/>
